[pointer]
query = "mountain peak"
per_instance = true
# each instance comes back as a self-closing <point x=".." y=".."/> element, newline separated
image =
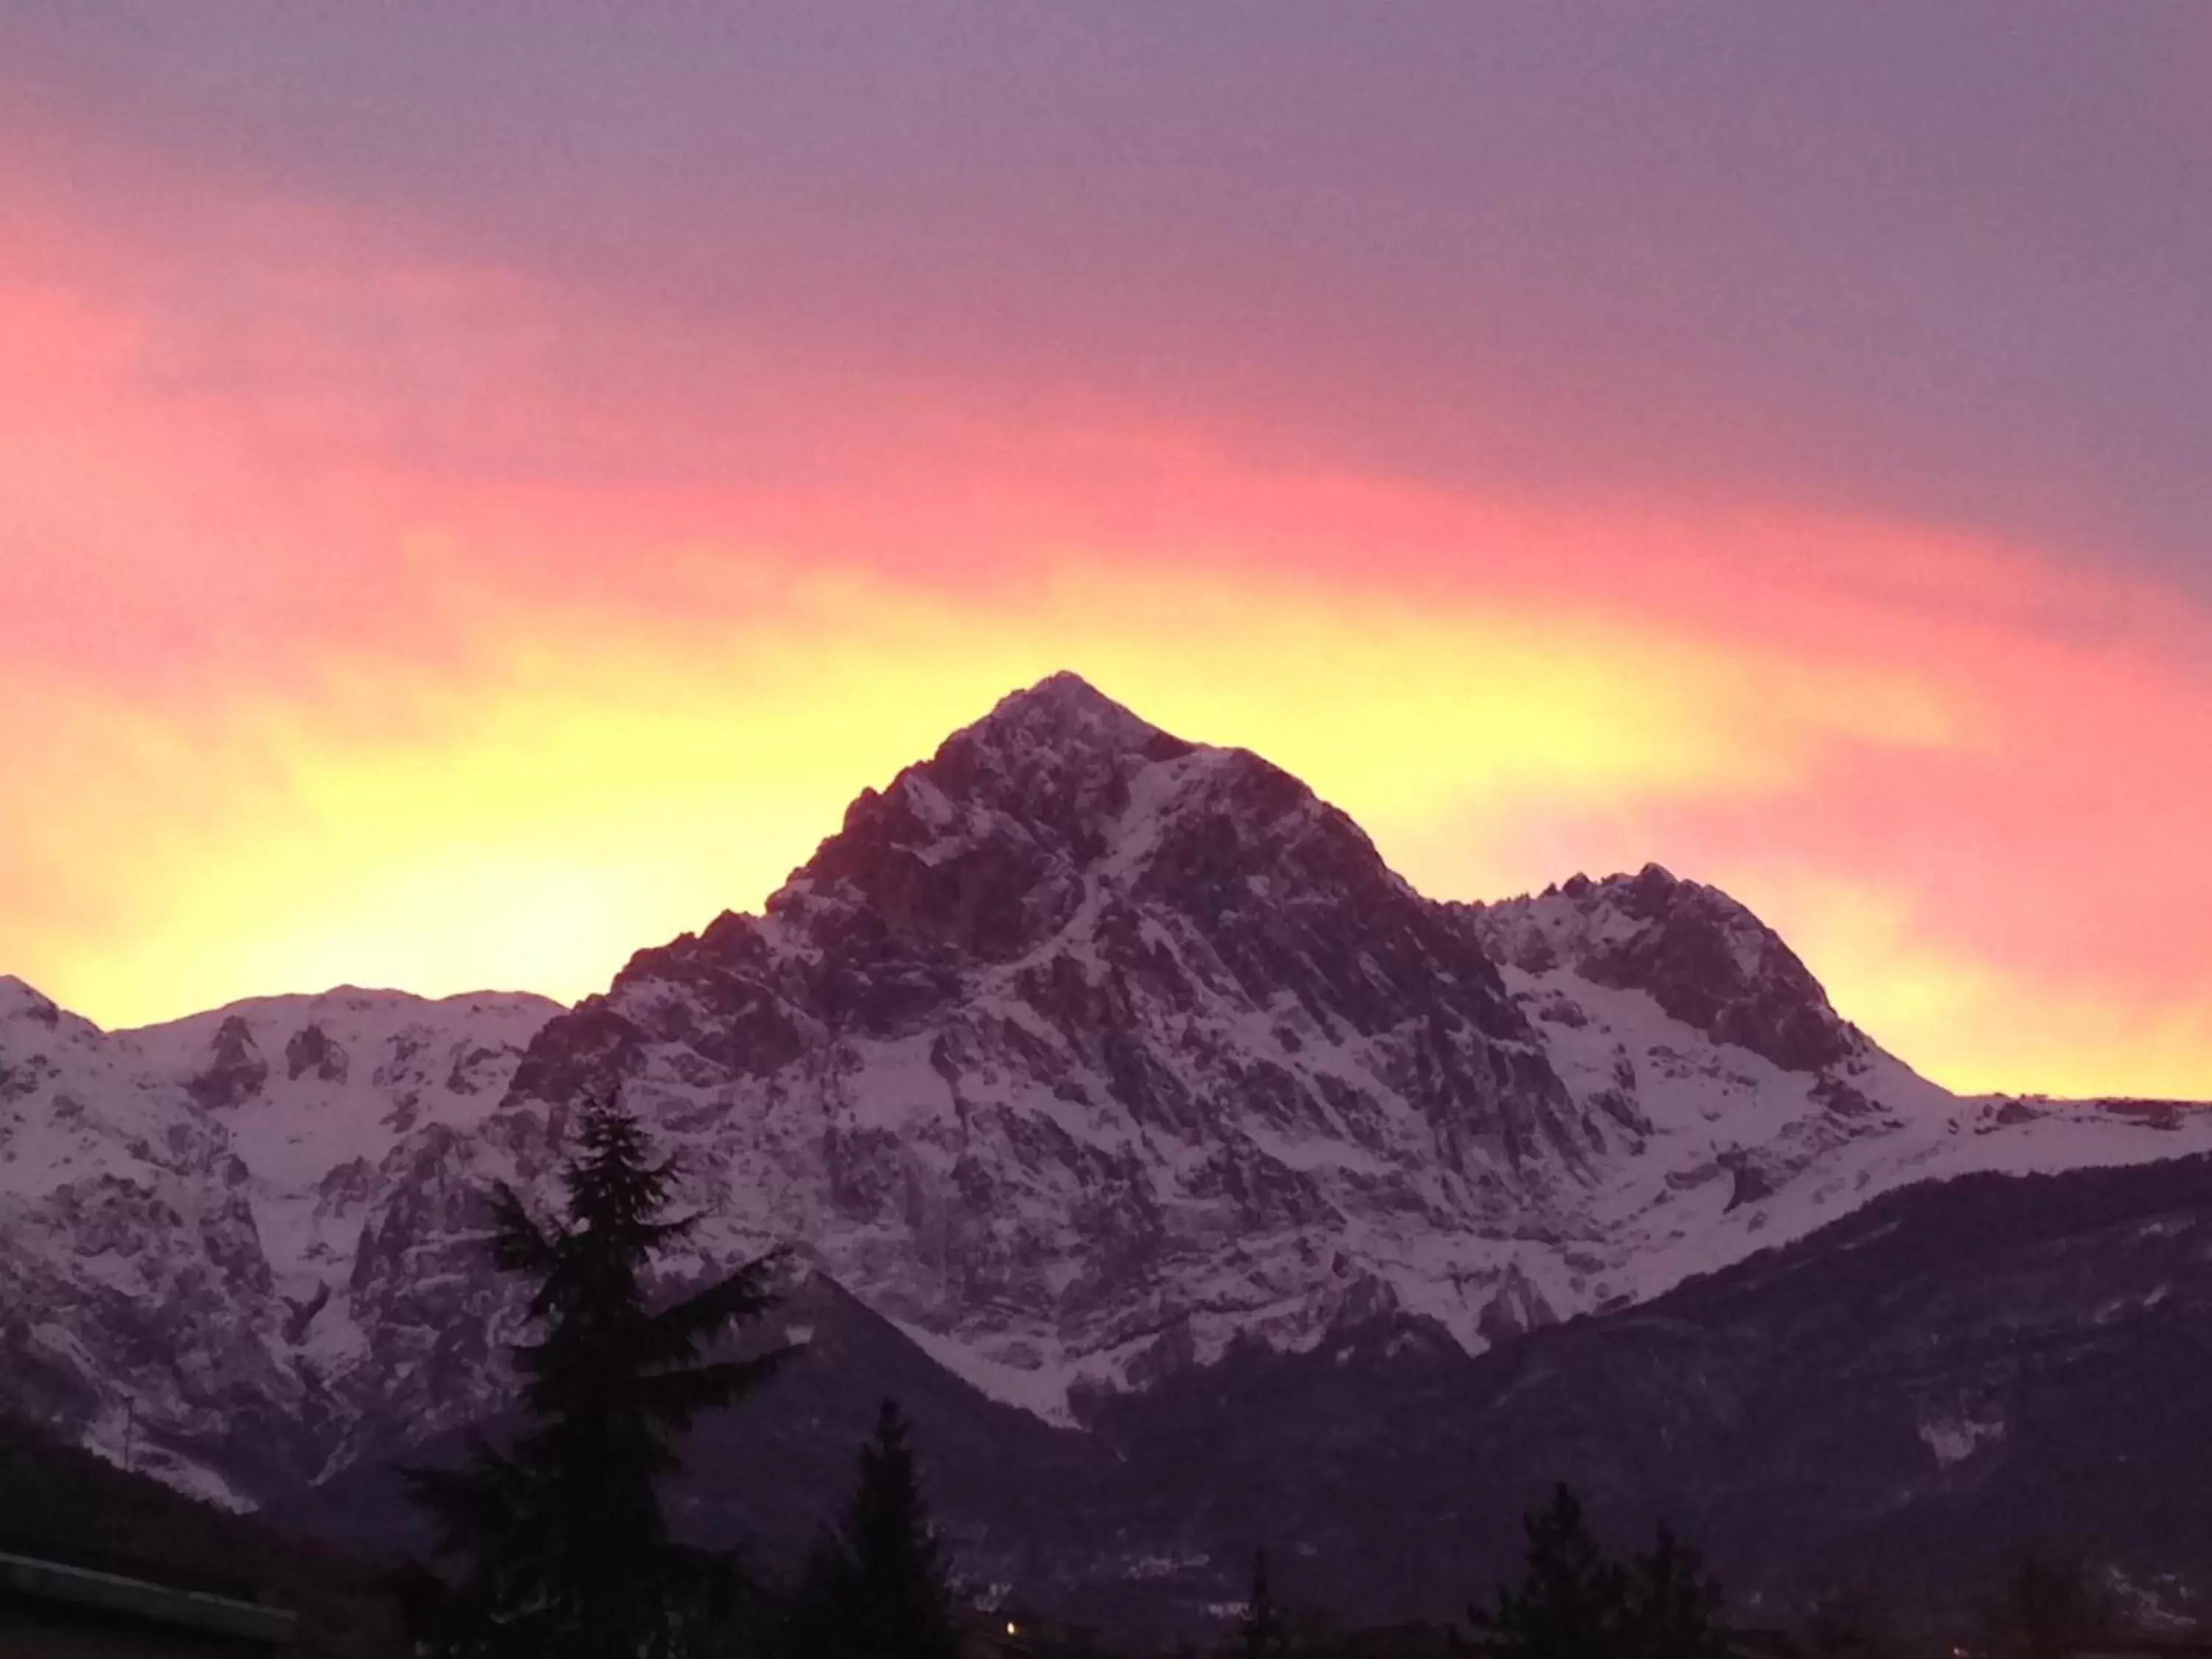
<point x="1060" y="711"/>
<point x="988" y="840"/>
<point x="17" y="997"/>
<point x="1705" y="959"/>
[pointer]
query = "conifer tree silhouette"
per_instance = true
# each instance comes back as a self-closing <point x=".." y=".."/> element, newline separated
<point x="1263" y="1632"/>
<point x="563" y="1550"/>
<point x="1574" y="1603"/>
<point x="1671" y="1608"/>
<point x="1571" y="1601"/>
<point x="1847" y="1621"/>
<point x="2049" y="1602"/>
<point x="876" y="1587"/>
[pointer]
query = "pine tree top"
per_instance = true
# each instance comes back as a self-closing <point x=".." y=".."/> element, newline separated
<point x="1574" y="1601"/>
<point x="562" y="1534"/>
<point x="876" y="1585"/>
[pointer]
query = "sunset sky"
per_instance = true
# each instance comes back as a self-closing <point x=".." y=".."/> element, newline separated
<point x="482" y="485"/>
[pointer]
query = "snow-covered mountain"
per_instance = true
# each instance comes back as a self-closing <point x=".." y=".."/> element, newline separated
<point x="182" y="1214"/>
<point x="1080" y="1052"/>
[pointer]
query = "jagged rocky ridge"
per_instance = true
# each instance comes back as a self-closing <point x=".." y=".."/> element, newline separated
<point x="1081" y="1053"/>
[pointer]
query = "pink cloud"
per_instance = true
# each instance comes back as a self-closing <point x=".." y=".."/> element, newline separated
<point x="288" y="468"/>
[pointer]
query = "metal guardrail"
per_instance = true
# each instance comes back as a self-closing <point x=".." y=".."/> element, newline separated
<point x="186" y="1609"/>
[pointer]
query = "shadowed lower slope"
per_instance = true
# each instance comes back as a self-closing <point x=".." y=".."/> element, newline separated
<point x="1958" y="1368"/>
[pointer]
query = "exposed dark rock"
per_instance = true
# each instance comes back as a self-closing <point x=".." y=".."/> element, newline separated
<point x="235" y="1067"/>
<point x="311" y="1049"/>
<point x="1706" y="961"/>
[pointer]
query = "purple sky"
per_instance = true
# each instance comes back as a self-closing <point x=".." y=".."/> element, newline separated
<point x="1951" y="262"/>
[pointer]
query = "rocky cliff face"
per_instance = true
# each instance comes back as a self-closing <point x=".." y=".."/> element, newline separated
<point x="1086" y="1048"/>
<point x="1080" y="1052"/>
<point x="1707" y="962"/>
<point x="184" y="1212"/>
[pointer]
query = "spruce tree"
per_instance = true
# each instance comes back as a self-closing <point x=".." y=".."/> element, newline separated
<point x="2049" y="1602"/>
<point x="876" y="1587"/>
<point x="563" y="1547"/>
<point x="1671" y="1608"/>
<point x="1263" y="1632"/>
<point x="1848" y="1621"/>
<point x="1572" y="1602"/>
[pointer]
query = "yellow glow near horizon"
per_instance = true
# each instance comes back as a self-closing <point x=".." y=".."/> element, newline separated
<point x="1934" y="1006"/>
<point x="586" y="784"/>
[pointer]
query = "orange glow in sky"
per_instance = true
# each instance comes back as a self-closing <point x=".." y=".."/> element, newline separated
<point x="376" y="610"/>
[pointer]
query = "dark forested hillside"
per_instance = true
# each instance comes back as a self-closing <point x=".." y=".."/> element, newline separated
<point x="1958" y="1369"/>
